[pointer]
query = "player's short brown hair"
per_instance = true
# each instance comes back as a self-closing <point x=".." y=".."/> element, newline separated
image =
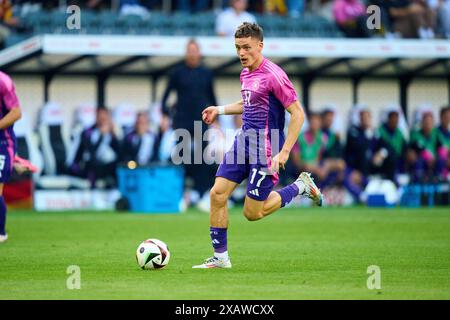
<point x="248" y="29"/>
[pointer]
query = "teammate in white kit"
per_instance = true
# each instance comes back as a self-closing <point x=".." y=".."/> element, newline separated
<point x="260" y="148"/>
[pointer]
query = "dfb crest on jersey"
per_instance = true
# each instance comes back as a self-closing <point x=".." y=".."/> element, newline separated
<point x="255" y="85"/>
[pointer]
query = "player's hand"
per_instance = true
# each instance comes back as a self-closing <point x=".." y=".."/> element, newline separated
<point x="210" y="114"/>
<point x="280" y="161"/>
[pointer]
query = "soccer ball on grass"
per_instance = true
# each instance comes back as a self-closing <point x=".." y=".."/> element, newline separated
<point x="152" y="254"/>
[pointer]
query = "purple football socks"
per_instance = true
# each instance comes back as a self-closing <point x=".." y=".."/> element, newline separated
<point x="219" y="242"/>
<point x="288" y="193"/>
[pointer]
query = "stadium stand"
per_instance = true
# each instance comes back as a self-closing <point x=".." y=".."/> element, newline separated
<point x="163" y="23"/>
<point x="313" y="19"/>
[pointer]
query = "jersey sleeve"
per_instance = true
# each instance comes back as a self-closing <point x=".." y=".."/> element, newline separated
<point x="8" y="92"/>
<point x="283" y="89"/>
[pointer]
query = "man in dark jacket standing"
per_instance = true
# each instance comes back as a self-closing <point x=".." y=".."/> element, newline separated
<point x="193" y="84"/>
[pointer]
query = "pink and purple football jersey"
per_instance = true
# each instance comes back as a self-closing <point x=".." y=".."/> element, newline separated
<point x="7" y="138"/>
<point x="266" y="93"/>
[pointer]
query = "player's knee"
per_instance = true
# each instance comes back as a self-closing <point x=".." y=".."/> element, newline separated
<point x="252" y="215"/>
<point x="217" y="197"/>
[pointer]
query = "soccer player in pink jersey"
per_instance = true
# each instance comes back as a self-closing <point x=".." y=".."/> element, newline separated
<point x="9" y="114"/>
<point x="260" y="148"/>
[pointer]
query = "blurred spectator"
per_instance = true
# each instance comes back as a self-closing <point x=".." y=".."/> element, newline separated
<point x="276" y="6"/>
<point x="256" y="6"/>
<point x="140" y="145"/>
<point x="332" y="158"/>
<point x="152" y="4"/>
<point x="443" y="143"/>
<point x="422" y="150"/>
<point x="361" y="144"/>
<point x="387" y="28"/>
<point x="307" y="153"/>
<point x="359" y="152"/>
<point x="192" y="97"/>
<point x="25" y="7"/>
<point x="96" y="5"/>
<point x="392" y="146"/>
<point x="333" y="147"/>
<point x="164" y="140"/>
<point x="443" y="11"/>
<point x="309" y="150"/>
<point x="411" y="18"/>
<point x="229" y="19"/>
<point x="190" y="6"/>
<point x="4" y="29"/>
<point x="7" y="21"/>
<point x="295" y="7"/>
<point x="323" y="8"/>
<point x="84" y="117"/>
<point x="133" y="7"/>
<point x="292" y="7"/>
<point x="98" y="152"/>
<point x="48" y="5"/>
<point x="351" y="17"/>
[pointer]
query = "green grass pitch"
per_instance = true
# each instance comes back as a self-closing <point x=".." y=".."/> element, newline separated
<point x="293" y="254"/>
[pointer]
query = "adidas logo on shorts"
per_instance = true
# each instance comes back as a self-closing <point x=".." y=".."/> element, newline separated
<point x="254" y="192"/>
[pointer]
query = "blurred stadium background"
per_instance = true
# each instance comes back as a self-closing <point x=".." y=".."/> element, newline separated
<point x="121" y="58"/>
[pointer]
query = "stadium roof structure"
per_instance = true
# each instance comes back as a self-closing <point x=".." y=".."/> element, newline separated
<point x="104" y="56"/>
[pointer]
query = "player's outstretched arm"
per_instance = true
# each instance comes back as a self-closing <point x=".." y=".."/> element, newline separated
<point x="12" y="116"/>
<point x="295" y="124"/>
<point x="210" y="114"/>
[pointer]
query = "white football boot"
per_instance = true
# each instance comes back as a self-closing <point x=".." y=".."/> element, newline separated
<point x="214" y="262"/>
<point x="3" y="238"/>
<point x="311" y="190"/>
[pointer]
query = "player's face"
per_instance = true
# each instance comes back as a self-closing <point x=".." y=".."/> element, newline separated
<point x="249" y="52"/>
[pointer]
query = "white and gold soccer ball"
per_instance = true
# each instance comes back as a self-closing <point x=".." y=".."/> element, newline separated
<point x="152" y="254"/>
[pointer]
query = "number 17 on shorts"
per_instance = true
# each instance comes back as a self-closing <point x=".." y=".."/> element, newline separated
<point x="260" y="183"/>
